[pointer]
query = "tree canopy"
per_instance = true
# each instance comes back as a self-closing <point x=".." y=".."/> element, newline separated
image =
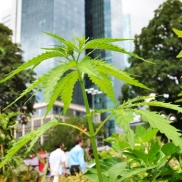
<point x="158" y="44"/>
<point x="11" y="58"/>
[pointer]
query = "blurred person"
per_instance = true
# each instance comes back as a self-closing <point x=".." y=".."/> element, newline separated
<point x="42" y="160"/>
<point x="76" y="158"/>
<point x="57" y="161"/>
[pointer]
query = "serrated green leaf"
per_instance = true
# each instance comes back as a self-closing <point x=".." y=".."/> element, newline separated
<point x="25" y="139"/>
<point x="86" y="66"/>
<point x="149" y="135"/>
<point x="177" y="32"/>
<point x="169" y="149"/>
<point x="161" y="104"/>
<point x="154" y="149"/>
<point x="135" y="172"/>
<point x="105" y="45"/>
<point x="121" y="145"/>
<point x="57" y="48"/>
<point x="140" y="131"/>
<point x="30" y="87"/>
<point x="106" y="68"/>
<point x="81" y="41"/>
<point x="136" y="99"/>
<point x="179" y="100"/>
<point x="116" y="171"/>
<point x="179" y="55"/>
<point x="64" y="88"/>
<point x="62" y="40"/>
<point x="53" y="76"/>
<point x="157" y="121"/>
<point x="35" y="61"/>
<point x="67" y="91"/>
<point x="105" y="85"/>
<point x="123" y="119"/>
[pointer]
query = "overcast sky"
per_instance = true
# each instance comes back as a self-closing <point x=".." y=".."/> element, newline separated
<point x="141" y="11"/>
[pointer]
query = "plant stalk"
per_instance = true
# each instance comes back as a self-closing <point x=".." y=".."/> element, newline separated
<point x="2" y="156"/>
<point x="91" y="128"/>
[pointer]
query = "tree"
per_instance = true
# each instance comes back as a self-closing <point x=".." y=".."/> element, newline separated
<point x="11" y="58"/>
<point x="67" y="135"/>
<point x="158" y="44"/>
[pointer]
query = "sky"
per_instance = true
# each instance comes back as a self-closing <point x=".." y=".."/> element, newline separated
<point x="141" y="11"/>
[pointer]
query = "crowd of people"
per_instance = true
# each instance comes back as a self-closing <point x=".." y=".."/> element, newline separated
<point x="58" y="163"/>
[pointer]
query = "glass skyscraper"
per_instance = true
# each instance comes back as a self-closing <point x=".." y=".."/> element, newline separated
<point x="55" y="16"/>
<point x="94" y="18"/>
<point x="103" y="18"/>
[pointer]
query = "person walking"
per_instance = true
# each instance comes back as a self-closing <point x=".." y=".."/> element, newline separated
<point x="76" y="158"/>
<point x="57" y="161"/>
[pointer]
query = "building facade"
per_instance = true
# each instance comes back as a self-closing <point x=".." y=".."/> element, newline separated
<point x="103" y="18"/>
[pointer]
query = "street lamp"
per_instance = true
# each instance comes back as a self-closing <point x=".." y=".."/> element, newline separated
<point x="171" y="117"/>
<point x="93" y="92"/>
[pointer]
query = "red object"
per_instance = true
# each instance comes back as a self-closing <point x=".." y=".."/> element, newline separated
<point x="41" y="165"/>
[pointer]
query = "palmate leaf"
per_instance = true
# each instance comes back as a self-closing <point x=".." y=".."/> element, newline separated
<point x="106" y="68"/>
<point x="67" y="91"/>
<point x="105" y="45"/>
<point x="35" y="61"/>
<point x="69" y="44"/>
<point x="105" y="85"/>
<point x="98" y="41"/>
<point x="159" y="104"/>
<point x="53" y="76"/>
<point x="123" y="119"/>
<point x="30" y="87"/>
<point x="157" y="121"/>
<point x="25" y="139"/>
<point x="86" y="66"/>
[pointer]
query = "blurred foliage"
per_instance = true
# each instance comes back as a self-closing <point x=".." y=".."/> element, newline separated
<point x="150" y="160"/>
<point x="11" y="58"/>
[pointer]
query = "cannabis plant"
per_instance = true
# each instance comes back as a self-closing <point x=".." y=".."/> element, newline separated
<point x="60" y="81"/>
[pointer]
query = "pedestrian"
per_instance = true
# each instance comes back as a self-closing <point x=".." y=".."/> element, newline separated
<point x="76" y="158"/>
<point x="57" y="161"/>
<point x="42" y="160"/>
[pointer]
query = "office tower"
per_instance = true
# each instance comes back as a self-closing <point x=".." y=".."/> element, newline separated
<point x="103" y="18"/>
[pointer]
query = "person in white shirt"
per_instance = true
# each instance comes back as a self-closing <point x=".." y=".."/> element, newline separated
<point x="57" y="161"/>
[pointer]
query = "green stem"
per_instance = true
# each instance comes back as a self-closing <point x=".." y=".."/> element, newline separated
<point x="101" y="125"/>
<point x="91" y="128"/>
<point x="76" y="127"/>
<point x="160" y="171"/>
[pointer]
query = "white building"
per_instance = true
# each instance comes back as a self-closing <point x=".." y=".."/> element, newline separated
<point x="12" y="19"/>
